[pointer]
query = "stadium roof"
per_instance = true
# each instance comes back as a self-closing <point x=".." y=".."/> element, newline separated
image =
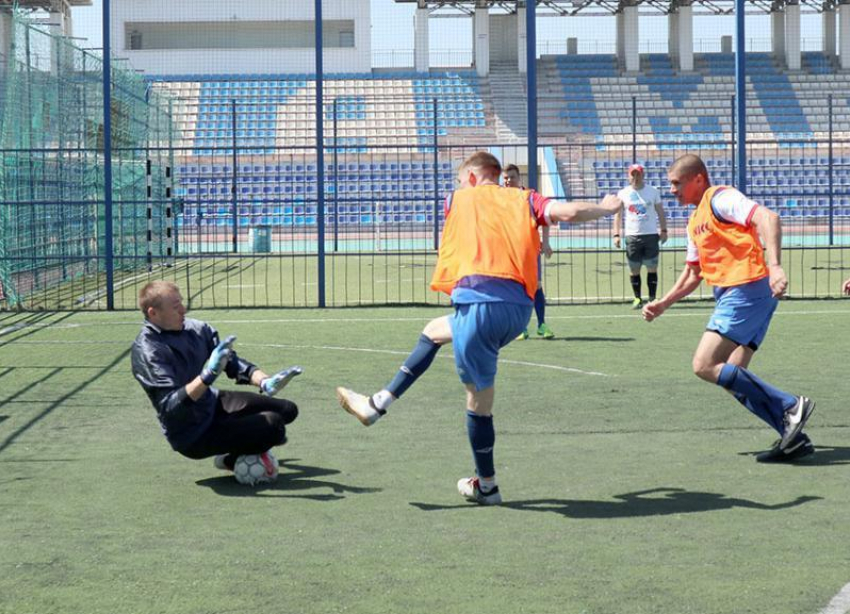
<point x="566" y="8"/>
<point x="46" y="5"/>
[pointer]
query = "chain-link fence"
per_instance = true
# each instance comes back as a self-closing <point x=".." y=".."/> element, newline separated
<point x="52" y="176"/>
<point x="218" y="182"/>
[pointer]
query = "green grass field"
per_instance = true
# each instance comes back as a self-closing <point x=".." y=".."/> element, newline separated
<point x="283" y="280"/>
<point x="630" y="485"/>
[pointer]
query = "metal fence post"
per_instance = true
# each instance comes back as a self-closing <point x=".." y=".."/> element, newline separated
<point x="149" y="212"/>
<point x="831" y="178"/>
<point x="320" y="153"/>
<point x="741" y="92"/>
<point x="734" y="157"/>
<point x="531" y="79"/>
<point x="436" y="188"/>
<point x="336" y="177"/>
<point x="233" y="189"/>
<point x="634" y="129"/>
<point x="172" y="168"/>
<point x="107" y="159"/>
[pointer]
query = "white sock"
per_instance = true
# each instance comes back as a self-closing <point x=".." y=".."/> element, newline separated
<point x="487" y="485"/>
<point x="382" y="399"/>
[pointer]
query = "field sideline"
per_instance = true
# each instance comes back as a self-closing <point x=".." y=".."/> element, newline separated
<point x="630" y="485"/>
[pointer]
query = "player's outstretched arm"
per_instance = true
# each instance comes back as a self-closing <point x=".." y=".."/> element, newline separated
<point x="214" y="367"/>
<point x="217" y="361"/>
<point x="847" y="287"/>
<point x="688" y="281"/>
<point x="271" y="385"/>
<point x="582" y="211"/>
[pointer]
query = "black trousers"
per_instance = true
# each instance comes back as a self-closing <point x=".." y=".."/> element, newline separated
<point x="244" y="423"/>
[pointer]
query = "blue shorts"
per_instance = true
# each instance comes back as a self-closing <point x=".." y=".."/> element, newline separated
<point x="479" y="331"/>
<point x="743" y="313"/>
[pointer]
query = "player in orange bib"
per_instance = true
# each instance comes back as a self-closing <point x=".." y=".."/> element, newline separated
<point x="488" y="265"/>
<point x="725" y="235"/>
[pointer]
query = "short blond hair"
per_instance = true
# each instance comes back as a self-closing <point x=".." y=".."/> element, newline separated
<point x="483" y="163"/>
<point x="153" y="293"/>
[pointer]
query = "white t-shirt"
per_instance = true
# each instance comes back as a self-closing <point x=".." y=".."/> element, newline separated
<point x="639" y="205"/>
<point x="730" y="205"/>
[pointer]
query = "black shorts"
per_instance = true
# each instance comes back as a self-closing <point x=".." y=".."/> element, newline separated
<point x="244" y="423"/>
<point x="642" y="250"/>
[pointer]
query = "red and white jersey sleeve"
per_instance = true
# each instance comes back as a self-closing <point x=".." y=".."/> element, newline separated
<point x="692" y="256"/>
<point x="540" y="206"/>
<point x="732" y="206"/>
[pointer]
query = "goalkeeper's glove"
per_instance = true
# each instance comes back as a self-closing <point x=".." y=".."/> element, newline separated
<point x="217" y="360"/>
<point x="270" y="386"/>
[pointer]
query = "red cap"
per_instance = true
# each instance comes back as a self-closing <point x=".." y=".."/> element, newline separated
<point x="636" y="167"/>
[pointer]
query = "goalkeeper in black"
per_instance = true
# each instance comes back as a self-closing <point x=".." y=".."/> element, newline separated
<point x="177" y="359"/>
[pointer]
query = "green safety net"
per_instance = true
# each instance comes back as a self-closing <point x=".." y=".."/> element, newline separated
<point x="52" y="213"/>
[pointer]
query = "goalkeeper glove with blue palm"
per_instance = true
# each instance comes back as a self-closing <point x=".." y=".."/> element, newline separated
<point x="270" y="386"/>
<point x="217" y="360"/>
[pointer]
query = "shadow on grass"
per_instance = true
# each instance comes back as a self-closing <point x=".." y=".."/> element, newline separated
<point x="661" y="501"/>
<point x="293" y="478"/>
<point x="824" y="456"/>
<point x="34" y="323"/>
<point x="68" y="394"/>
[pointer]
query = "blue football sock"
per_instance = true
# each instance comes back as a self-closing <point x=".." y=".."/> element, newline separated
<point x="540" y="306"/>
<point x="758" y="411"/>
<point x="416" y="364"/>
<point x="482" y="436"/>
<point x="765" y="401"/>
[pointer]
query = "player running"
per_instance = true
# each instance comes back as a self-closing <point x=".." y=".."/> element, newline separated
<point x="724" y="249"/>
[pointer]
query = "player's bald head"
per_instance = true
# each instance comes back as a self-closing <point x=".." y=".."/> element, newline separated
<point x="688" y="166"/>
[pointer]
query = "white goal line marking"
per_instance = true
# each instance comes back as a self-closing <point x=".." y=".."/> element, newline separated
<point x="400" y="353"/>
<point x="840" y="604"/>
<point x="218" y="322"/>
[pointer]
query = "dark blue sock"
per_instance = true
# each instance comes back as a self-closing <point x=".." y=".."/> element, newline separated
<point x="540" y="306"/>
<point x="759" y="411"/>
<point x="482" y="436"/>
<point x="765" y="401"/>
<point x="416" y="364"/>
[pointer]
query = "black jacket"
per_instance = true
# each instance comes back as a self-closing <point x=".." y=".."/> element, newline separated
<point x="165" y="361"/>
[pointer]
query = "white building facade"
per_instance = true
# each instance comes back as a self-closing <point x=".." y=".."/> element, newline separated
<point x="191" y="37"/>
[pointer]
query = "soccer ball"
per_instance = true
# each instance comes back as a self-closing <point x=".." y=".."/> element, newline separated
<point x="254" y="469"/>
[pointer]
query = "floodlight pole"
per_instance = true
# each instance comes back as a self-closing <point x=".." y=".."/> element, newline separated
<point x="531" y="80"/>
<point x="320" y="154"/>
<point x="741" y="92"/>
<point x="107" y="160"/>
